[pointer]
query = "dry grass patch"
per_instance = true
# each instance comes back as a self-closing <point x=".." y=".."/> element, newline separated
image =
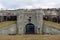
<point x="30" y="37"/>
<point x="7" y="23"/>
<point x="53" y="24"/>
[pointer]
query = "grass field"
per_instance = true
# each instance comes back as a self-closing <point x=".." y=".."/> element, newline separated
<point x="53" y="24"/>
<point x="30" y="37"/>
<point x="7" y="23"/>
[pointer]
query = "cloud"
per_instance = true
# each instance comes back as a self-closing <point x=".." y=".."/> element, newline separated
<point x="28" y="7"/>
<point x="46" y="5"/>
<point x="2" y="7"/>
<point x="13" y="4"/>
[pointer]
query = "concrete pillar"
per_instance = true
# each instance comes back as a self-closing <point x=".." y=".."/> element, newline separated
<point x="39" y="23"/>
<point x="1" y="18"/>
<point x="20" y="24"/>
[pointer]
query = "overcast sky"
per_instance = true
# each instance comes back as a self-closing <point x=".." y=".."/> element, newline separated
<point x="14" y="4"/>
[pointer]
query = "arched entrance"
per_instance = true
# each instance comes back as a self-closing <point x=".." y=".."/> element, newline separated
<point x="30" y="28"/>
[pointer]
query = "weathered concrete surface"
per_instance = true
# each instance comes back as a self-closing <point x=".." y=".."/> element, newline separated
<point x="22" y="20"/>
<point x="8" y="30"/>
<point x="50" y="30"/>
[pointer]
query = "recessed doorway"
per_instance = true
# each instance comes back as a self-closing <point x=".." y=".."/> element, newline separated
<point x="30" y="28"/>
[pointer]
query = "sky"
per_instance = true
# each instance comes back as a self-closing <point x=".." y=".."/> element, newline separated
<point x="29" y="4"/>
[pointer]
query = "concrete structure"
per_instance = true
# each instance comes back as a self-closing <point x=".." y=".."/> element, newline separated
<point x="28" y="21"/>
<point x="36" y="19"/>
<point x="23" y="19"/>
